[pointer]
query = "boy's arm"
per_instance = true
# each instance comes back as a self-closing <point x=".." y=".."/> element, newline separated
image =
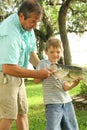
<point x="37" y="80"/>
<point x="67" y="86"/>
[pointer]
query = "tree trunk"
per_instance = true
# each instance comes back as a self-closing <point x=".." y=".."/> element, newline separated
<point x="63" y="32"/>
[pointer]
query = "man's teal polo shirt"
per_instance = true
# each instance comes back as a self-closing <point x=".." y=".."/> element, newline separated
<point x="16" y="44"/>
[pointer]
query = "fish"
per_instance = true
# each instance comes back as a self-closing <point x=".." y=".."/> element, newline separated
<point x="69" y="73"/>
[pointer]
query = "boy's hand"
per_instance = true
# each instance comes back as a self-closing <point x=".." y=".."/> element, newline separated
<point x="76" y="81"/>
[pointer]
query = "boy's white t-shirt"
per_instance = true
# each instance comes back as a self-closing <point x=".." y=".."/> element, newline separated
<point x="52" y="88"/>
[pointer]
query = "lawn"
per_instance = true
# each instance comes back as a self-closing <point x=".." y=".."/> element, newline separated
<point x="36" y="112"/>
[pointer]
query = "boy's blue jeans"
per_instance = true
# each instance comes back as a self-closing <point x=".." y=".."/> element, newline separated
<point x="61" y="117"/>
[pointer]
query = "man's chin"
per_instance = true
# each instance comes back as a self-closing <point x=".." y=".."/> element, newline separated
<point x="28" y="29"/>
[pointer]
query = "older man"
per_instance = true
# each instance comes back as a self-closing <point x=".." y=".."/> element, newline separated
<point x="17" y="45"/>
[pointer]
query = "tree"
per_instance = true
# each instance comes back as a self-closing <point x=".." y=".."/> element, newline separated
<point x="63" y="31"/>
<point x="77" y="25"/>
<point x="71" y="17"/>
<point x="60" y="17"/>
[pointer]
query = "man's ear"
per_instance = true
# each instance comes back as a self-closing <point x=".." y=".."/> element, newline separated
<point x="21" y="16"/>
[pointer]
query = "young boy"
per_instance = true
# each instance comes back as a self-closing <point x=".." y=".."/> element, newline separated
<point x="60" y="114"/>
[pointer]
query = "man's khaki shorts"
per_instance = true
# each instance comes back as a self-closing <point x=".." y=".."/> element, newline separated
<point x="13" y="100"/>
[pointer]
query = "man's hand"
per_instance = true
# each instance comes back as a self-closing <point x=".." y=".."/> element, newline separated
<point x="44" y="73"/>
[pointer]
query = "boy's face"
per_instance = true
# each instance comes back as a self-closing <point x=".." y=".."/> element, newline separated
<point x="54" y="54"/>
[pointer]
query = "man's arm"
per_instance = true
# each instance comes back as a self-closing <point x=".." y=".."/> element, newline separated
<point x="34" y="60"/>
<point x="18" y="71"/>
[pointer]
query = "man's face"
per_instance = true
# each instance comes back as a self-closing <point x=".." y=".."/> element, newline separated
<point x="30" y="22"/>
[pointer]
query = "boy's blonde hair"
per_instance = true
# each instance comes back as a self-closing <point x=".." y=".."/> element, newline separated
<point x="54" y="42"/>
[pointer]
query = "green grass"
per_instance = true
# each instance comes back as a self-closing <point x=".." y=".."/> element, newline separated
<point x="36" y="106"/>
<point x="36" y="112"/>
<point x="82" y="119"/>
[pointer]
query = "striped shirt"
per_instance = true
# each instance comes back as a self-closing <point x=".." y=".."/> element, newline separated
<point x="52" y="88"/>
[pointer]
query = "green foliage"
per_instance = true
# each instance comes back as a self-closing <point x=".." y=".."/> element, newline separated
<point x="77" y="17"/>
<point x="83" y="88"/>
<point x="7" y="7"/>
<point x="51" y="17"/>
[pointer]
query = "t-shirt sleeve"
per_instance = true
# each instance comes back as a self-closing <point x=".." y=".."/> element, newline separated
<point x="42" y="64"/>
